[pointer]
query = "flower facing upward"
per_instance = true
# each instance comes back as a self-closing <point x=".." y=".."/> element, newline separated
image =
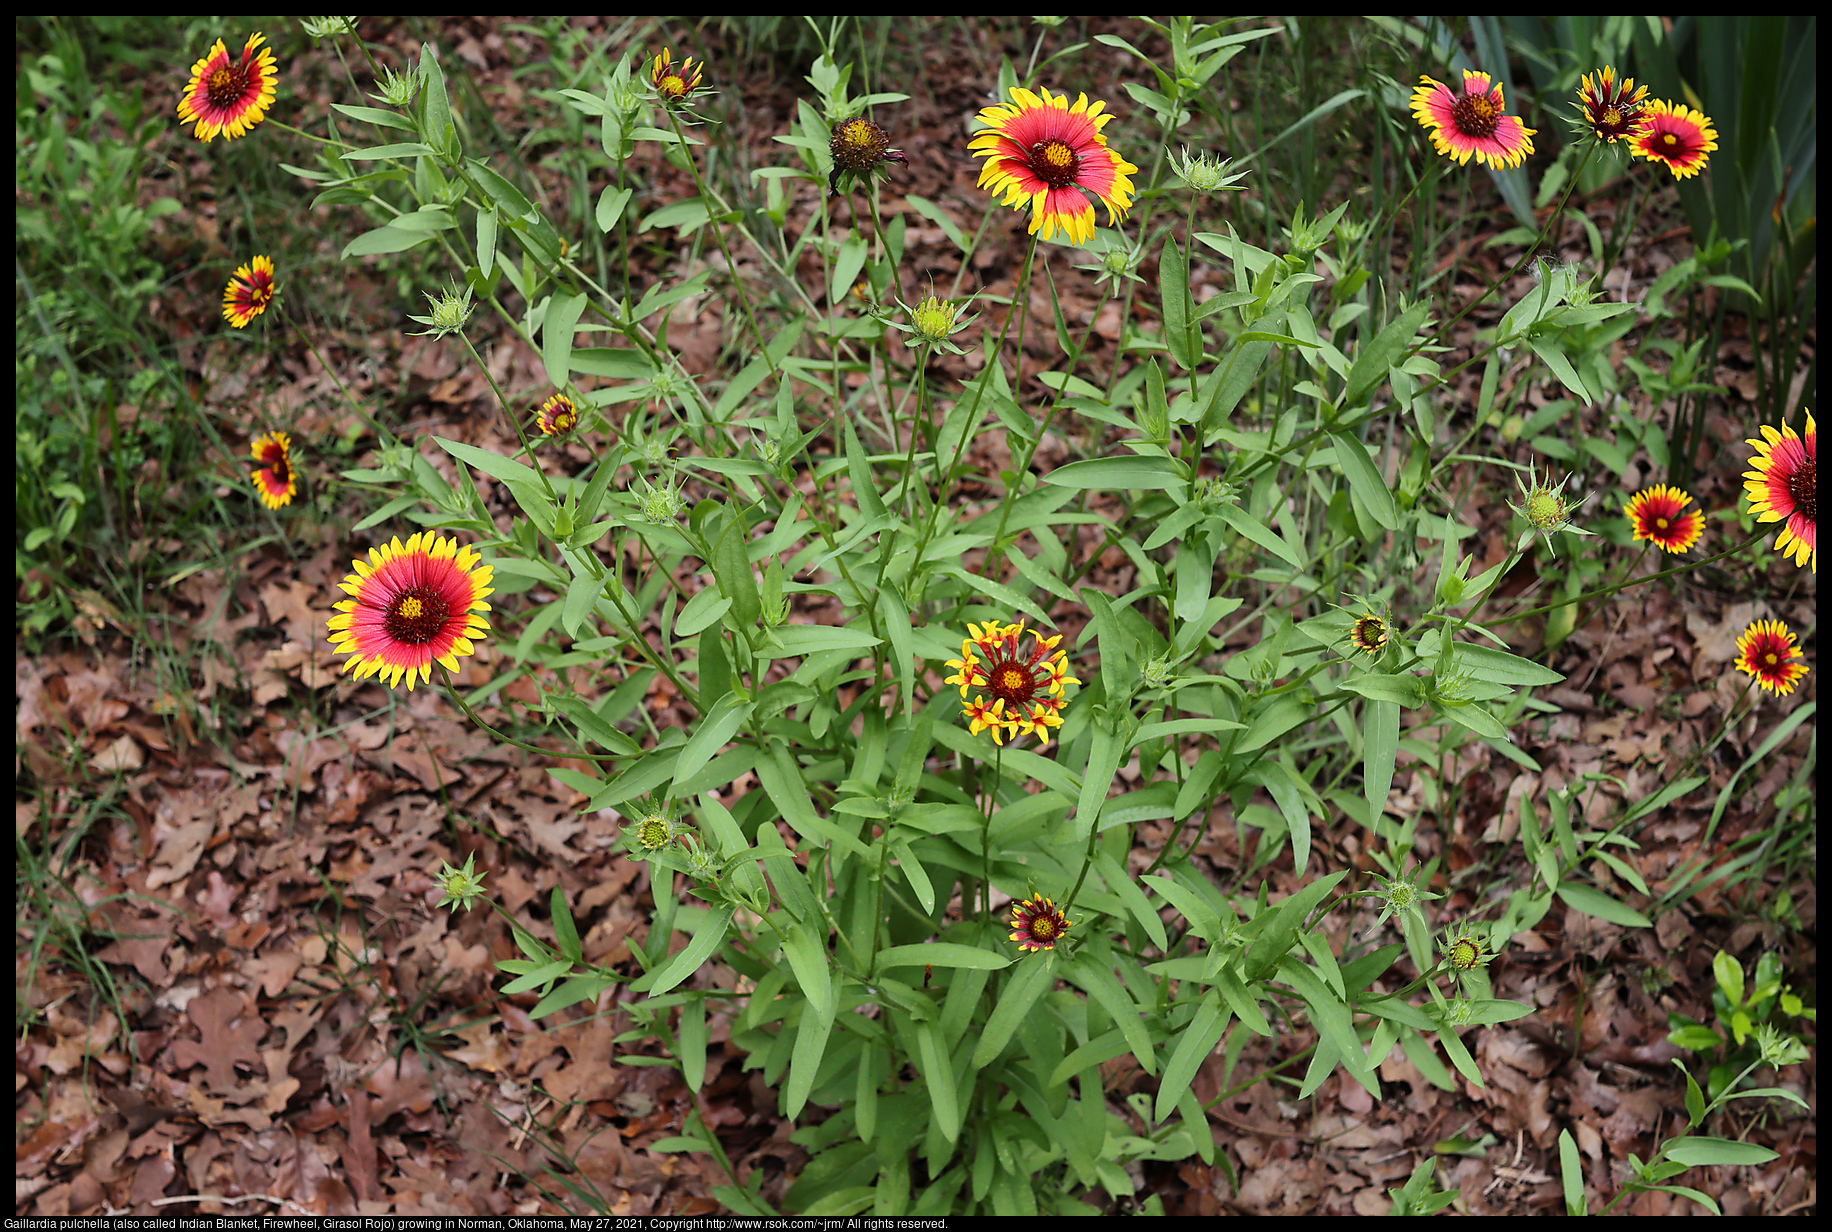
<point x="1473" y="124"/>
<point x="1674" y="134"/>
<point x="558" y="416"/>
<point x="1768" y="652"/>
<point x="1659" y="515"/>
<point x="860" y="150"/>
<point x="249" y="292"/>
<point x="1782" y="487"/>
<point x="675" y="83"/>
<point x="1020" y="691"/>
<point x="274" y="478"/>
<point x="229" y="97"/>
<point x="1037" y="923"/>
<point x="410" y="607"/>
<point x="1611" y="110"/>
<point x="1042" y="152"/>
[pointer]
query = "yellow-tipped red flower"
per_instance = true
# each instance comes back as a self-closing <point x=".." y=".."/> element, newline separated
<point x="275" y="478"/>
<point x="229" y="96"/>
<point x="1020" y="690"/>
<point x="1612" y="111"/>
<point x="250" y="290"/>
<point x="1784" y="486"/>
<point x="411" y="606"/>
<point x="1676" y="135"/>
<point x="1473" y="124"/>
<point x="1659" y="515"/>
<point x="1042" y="153"/>
<point x="1038" y="924"/>
<point x="558" y="416"/>
<point x="675" y="83"/>
<point x="1768" y="652"/>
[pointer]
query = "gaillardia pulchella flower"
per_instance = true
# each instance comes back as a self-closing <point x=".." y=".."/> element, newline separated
<point x="1767" y="651"/>
<point x="1037" y="923"/>
<point x="229" y="96"/>
<point x="558" y="416"/>
<point x="1783" y="488"/>
<point x="274" y="478"/>
<point x="1609" y="110"/>
<point x="1473" y="124"/>
<point x="1369" y="634"/>
<point x="1674" y="134"/>
<point x="251" y="288"/>
<point x="860" y="150"/>
<point x="675" y="83"/>
<point x="411" y="606"/>
<point x="1014" y="691"/>
<point x="1043" y="153"/>
<point x="1660" y="516"/>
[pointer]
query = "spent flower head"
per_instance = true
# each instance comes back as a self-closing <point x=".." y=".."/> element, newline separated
<point x="397" y="89"/>
<point x="460" y="887"/>
<point x="861" y="151"/>
<point x="652" y="828"/>
<point x="657" y="503"/>
<point x="933" y="321"/>
<point x="327" y="27"/>
<point x="1545" y="509"/>
<point x="1207" y="173"/>
<point x="448" y="312"/>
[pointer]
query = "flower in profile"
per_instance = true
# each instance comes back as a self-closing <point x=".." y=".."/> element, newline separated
<point x="1369" y="634"/>
<point x="1043" y="153"/>
<point x="1782" y="487"/>
<point x="1019" y="691"/>
<point x="250" y="290"/>
<point x="1545" y="509"/>
<point x="1610" y="110"/>
<point x="229" y="97"/>
<point x="558" y="416"/>
<point x="411" y="606"/>
<point x="860" y="150"/>
<point x="1767" y="651"/>
<point x="1037" y="923"/>
<point x="274" y="478"/>
<point x="1659" y="515"/>
<point x="675" y="83"/>
<point x="1206" y="173"/>
<point x="1473" y="124"/>
<point x="1674" y="134"/>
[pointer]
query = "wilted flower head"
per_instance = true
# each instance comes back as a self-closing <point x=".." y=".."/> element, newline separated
<point x="860" y="151"/>
<point x="1369" y="634"/>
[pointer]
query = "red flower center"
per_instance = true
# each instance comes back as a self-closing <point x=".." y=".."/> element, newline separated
<point x="1054" y="163"/>
<point x="1475" y="115"/>
<point x="228" y="84"/>
<point x="282" y="471"/>
<point x="1801" y="488"/>
<point x="1011" y="681"/>
<point x="416" y="616"/>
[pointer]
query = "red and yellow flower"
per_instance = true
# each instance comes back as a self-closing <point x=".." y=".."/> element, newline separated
<point x="558" y="416"/>
<point x="1043" y="153"/>
<point x="1674" y="134"/>
<point x="1018" y="690"/>
<point x="1612" y="111"/>
<point x="229" y="96"/>
<point x="1783" y="487"/>
<point x="1473" y="124"/>
<point x="274" y="478"/>
<point x="1037" y="923"/>
<point x="411" y="606"/>
<point x="675" y="83"/>
<point x="1767" y="651"/>
<point x="250" y="290"/>
<point x="1659" y="515"/>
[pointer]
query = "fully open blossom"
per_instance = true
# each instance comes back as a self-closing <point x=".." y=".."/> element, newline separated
<point x="1014" y="690"/>
<point x="1783" y="487"/>
<point x="1473" y="124"/>
<point x="1045" y="154"/>
<point x="229" y="96"/>
<point x="274" y="478"/>
<point x="411" y="606"/>
<point x="1037" y="923"/>
<point x="1676" y="135"/>
<point x="1767" y="651"/>
<point x="1659" y="515"/>
<point x="251" y="288"/>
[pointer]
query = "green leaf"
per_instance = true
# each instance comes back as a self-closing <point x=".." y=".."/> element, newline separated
<point x="1707" y="1152"/>
<point x="563" y="313"/>
<point x="1365" y="481"/>
<point x="731" y="566"/>
<point x="1571" y="1174"/>
<point x="1100" y="984"/>
<point x="1193" y="1047"/>
<point x="1174" y="295"/>
<point x="1120" y="474"/>
<point x="1380" y="739"/>
<point x="715" y="730"/>
<point x="1237" y="517"/>
<point x="384" y="239"/>
<point x="1371" y="365"/>
<point x="611" y="203"/>
<point x="1035" y="976"/>
<point x="697" y="951"/>
<point x="941" y="954"/>
<point x="811" y="1036"/>
<point x="932" y="1051"/>
<point x="565" y="934"/>
<point x="1591" y="901"/>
